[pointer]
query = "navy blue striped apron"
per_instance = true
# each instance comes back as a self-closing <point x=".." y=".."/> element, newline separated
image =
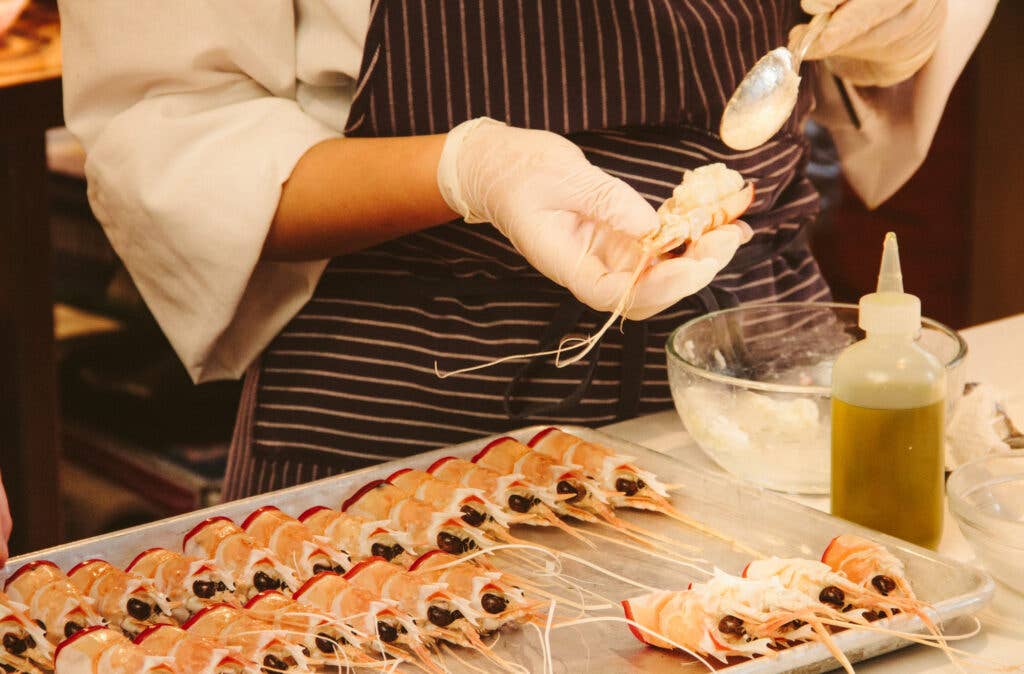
<point x="639" y="86"/>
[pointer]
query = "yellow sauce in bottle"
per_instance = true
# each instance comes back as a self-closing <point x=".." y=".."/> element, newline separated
<point x="888" y="408"/>
<point x="887" y="469"/>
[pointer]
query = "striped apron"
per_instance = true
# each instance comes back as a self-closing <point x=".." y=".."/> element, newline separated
<point x="638" y="85"/>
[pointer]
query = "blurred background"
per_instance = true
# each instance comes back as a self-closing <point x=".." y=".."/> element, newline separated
<point x="93" y="399"/>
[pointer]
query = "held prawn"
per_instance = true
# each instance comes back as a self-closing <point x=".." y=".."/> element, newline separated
<point x="708" y="197"/>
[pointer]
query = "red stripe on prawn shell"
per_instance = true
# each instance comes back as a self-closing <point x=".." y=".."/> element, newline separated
<point x="82" y="565"/>
<point x="362" y="565"/>
<point x="75" y="637"/>
<point x="309" y="512"/>
<point x="490" y="445"/>
<point x="312" y="581"/>
<point x="440" y="462"/>
<point x="256" y="513"/>
<point x="149" y="631"/>
<point x="363" y="491"/>
<point x="540" y="436"/>
<point x="627" y="609"/>
<point x="263" y="595"/>
<point x="828" y="549"/>
<point x="424" y="557"/>
<point x="25" y="568"/>
<point x="142" y="555"/>
<point x="205" y="611"/>
<point x="202" y="525"/>
<point x="400" y="471"/>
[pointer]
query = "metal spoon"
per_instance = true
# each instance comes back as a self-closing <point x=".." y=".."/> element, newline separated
<point x="765" y="98"/>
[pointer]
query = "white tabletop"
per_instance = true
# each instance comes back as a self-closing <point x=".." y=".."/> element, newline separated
<point x="995" y="357"/>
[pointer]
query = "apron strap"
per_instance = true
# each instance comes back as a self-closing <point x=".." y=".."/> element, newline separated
<point x="634" y="358"/>
<point x="567" y="316"/>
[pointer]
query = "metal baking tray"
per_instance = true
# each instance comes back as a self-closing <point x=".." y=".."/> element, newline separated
<point x="763" y="520"/>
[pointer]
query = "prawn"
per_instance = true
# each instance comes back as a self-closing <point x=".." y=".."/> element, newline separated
<point x="318" y="631"/>
<point x="831" y="587"/>
<point x="358" y="536"/>
<point x="476" y="507"/>
<point x="294" y="544"/>
<point x="381" y="621"/>
<point x="256" y="641"/>
<point x="706" y="199"/>
<point x="191" y="654"/>
<point x="126" y="601"/>
<point x="578" y="494"/>
<point x="52" y="600"/>
<point x="100" y="650"/>
<point x="23" y="645"/>
<point x="188" y="583"/>
<point x="253" y="567"/>
<point x="516" y="495"/>
<point x="729" y="616"/>
<point x="627" y="485"/>
<point x="494" y="600"/>
<point x="427" y="527"/>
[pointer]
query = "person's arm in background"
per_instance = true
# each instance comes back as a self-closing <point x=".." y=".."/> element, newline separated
<point x="188" y="116"/>
<point x="210" y="179"/>
<point x="895" y="71"/>
<point x="5" y="523"/>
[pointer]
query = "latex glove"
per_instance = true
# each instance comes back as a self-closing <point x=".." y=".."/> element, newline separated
<point x="874" y="42"/>
<point x="573" y="222"/>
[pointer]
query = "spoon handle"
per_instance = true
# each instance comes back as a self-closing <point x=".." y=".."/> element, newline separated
<point x="814" y="29"/>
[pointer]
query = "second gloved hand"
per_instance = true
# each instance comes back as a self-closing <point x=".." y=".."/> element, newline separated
<point x="874" y="42"/>
<point x="573" y="222"/>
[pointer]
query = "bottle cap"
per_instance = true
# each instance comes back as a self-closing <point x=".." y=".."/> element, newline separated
<point x="889" y="310"/>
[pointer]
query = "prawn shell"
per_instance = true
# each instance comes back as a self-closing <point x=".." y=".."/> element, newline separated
<point x="360" y="493"/>
<point x="168" y="638"/>
<point x="25" y="568"/>
<point x="202" y="525"/>
<point x="419" y="561"/>
<point x="141" y="556"/>
<point x="541" y="435"/>
<point x="93" y="642"/>
<point x="362" y="565"/>
<point x="440" y="462"/>
<point x="206" y="610"/>
<point x="256" y="513"/>
<point x="309" y="512"/>
<point x="402" y="471"/>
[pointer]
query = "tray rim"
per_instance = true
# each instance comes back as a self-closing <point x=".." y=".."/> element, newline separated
<point x="808" y="657"/>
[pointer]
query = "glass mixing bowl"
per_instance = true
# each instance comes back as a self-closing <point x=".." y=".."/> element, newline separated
<point x="986" y="498"/>
<point x="751" y="385"/>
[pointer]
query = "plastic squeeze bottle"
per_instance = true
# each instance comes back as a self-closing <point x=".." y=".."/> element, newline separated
<point x="888" y="404"/>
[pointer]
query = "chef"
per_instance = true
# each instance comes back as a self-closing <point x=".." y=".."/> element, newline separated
<point x="331" y="196"/>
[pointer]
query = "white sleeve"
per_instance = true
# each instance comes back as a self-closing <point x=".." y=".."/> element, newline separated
<point x="897" y="124"/>
<point x="188" y="115"/>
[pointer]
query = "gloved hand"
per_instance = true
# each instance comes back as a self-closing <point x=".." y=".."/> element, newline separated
<point x="574" y="223"/>
<point x="874" y="42"/>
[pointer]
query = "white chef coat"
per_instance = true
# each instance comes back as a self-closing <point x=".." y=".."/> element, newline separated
<point x="194" y="113"/>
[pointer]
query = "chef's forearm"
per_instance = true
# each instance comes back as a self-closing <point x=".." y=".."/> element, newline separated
<point x="346" y="194"/>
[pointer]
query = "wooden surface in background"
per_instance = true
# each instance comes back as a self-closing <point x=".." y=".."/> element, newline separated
<point x="30" y="102"/>
<point x="931" y="216"/>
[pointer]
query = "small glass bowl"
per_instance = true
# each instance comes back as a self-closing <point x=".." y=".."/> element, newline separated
<point x="986" y="498"/>
<point x="752" y="384"/>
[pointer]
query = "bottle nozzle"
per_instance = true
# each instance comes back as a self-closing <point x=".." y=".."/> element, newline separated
<point x="890" y="310"/>
<point x="890" y="279"/>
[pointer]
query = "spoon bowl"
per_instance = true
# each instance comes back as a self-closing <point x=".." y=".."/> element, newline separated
<point x="765" y="98"/>
<point x="762" y="103"/>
